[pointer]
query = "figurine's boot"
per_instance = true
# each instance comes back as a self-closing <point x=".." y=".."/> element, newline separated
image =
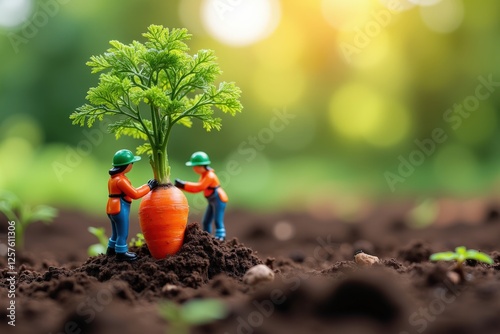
<point x="128" y="256"/>
<point x="220" y="234"/>
<point x="110" y="251"/>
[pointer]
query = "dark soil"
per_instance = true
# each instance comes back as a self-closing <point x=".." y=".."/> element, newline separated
<point x="318" y="288"/>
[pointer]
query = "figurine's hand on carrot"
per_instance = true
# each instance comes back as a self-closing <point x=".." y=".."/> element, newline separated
<point x="152" y="184"/>
<point x="179" y="183"/>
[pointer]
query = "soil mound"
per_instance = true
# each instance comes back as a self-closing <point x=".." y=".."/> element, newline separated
<point x="200" y="259"/>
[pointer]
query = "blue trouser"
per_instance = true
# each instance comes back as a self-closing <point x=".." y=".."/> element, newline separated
<point x="119" y="225"/>
<point x="215" y="210"/>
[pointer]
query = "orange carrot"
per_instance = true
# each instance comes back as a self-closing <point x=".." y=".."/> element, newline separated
<point x="163" y="217"/>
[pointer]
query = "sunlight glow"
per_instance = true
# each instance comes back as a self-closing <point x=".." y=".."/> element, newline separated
<point x="362" y="51"/>
<point x="279" y="87"/>
<point x="20" y="153"/>
<point x="358" y="112"/>
<point x="186" y="10"/>
<point x="240" y="22"/>
<point x="284" y="49"/>
<point x="346" y="15"/>
<point x="400" y="5"/>
<point x="14" y="12"/>
<point x="444" y="17"/>
<point x="425" y="2"/>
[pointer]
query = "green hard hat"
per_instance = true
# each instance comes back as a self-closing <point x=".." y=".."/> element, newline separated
<point x="124" y="157"/>
<point x="198" y="159"/>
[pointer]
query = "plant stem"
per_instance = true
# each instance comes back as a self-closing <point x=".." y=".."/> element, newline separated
<point x="162" y="168"/>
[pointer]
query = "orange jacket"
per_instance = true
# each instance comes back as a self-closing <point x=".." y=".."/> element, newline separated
<point x="208" y="181"/>
<point x="119" y="184"/>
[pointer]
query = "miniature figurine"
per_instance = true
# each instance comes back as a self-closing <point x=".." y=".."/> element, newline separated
<point x="210" y="185"/>
<point x="121" y="193"/>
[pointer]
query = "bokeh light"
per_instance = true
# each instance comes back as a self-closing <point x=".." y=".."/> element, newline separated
<point x="20" y="153"/>
<point x="186" y="10"/>
<point x="358" y="112"/>
<point x="425" y="2"/>
<point x="22" y="125"/>
<point x="346" y="15"/>
<point x="444" y="17"/>
<point x="364" y="54"/>
<point x="14" y="12"/>
<point x="424" y="213"/>
<point x="279" y="87"/>
<point x="283" y="230"/>
<point x="241" y="23"/>
<point x="284" y="49"/>
<point x="398" y="6"/>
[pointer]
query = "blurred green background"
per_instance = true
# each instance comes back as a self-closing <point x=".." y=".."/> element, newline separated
<point x="337" y="95"/>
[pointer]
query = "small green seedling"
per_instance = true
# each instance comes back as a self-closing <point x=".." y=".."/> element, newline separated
<point x="192" y="313"/>
<point x="24" y="215"/>
<point x="137" y="241"/>
<point x="461" y="255"/>
<point x="101" y="247"/>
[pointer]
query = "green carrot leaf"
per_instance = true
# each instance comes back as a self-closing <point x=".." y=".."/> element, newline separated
<point x="478" y="256"/>
<point x="144" y="149"/>
<point x="444" y="256"/>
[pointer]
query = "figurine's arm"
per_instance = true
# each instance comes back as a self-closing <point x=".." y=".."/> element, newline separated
<point x="194" y="187"/>
<point x="130" y="191"/>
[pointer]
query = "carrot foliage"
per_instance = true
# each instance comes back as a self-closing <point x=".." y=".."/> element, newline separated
<point x="149" y="87"/>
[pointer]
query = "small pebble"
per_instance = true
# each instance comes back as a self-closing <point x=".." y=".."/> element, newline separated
<point x="363" y="259"/>
<point x="454" y="277"/>
<point x="258" y="274"/>
<point x="169" y="287"/>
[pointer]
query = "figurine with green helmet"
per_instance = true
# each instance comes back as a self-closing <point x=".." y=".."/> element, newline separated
<point x="215" y="195"/>
<point x="121" y="194"/>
